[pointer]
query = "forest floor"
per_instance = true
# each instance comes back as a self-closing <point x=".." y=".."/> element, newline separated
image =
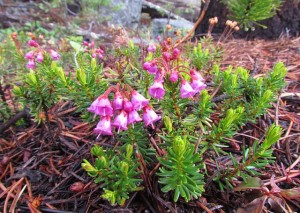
<point x="40" y="170"/>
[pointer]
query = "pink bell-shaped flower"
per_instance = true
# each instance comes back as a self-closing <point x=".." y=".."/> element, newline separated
<point x="149" y="116"/>
<point x="134" y="117"/>
<point x="101" y="106"/>
<point x="118" y="101"/>
<point x="54" y="55"/>
<point x="198" y="85"/>
<point x="127" y="105"/>
<point x="30" y="64"/>
<point x="157" y="90"/>
<point x="138" y="101"/>
<point x="153" y="69"/>
<point x="104" y="126"/>
<point x="120" y="121"/>
<point x="151" y="48"/>
<point x="29" y="55"/>
<point x="146" y="65"/>
<point x="40" y="57"/>
<point x="186" y="90"/>
<point x="196" y="75"/>
<point x="197" y="82"/>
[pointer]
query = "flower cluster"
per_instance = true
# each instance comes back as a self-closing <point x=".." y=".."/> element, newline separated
<point x="90" y="47"/>
<point x="163" y="68"/>
<point x="124" y="110"/>
<point x="37" y="55"/>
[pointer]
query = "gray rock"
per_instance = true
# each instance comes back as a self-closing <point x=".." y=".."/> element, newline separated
<point x="127" y="14"/>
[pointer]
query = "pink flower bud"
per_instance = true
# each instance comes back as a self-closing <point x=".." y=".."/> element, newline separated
<point x="174" y="76"/>
<point x="100" y="56"/>
<point x="157" y="90"/>
<point x="104" y="126"/>
<point x="85" y="43"/>
<point x="175" y="53"/>
<point x="94" y="55"/>
<point x="33" y="43"/>
<point x="99" y="50"/>
<point x="186" y="90"/>
<point x="149" y="116"/>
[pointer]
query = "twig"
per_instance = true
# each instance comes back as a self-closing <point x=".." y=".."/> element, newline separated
<point x="195" y="25"/>
<point x="216" y="91"/>
<point x="45" y="210"/>
<point x="18" y="195"/>
<point x="293" y="165"/>
<point x="283" y="178"/>
<point x="203" y="207"/>
<point x="14" y="119"/>
<point x="9" y="193"/>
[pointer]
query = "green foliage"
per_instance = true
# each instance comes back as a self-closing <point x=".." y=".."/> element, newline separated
<point x="204" y="57"/>
<point x="253" y="94"/>
<point x="48" y="84"/>
<point x="5" y="111"/>
<point x="39" y="90"/>
<point x="87" y="86"/>
<point x="116" y="173"/>
<point x="137" y="136"/>
<point x="181" y="170"/>
<point x="226" y="126"/>
<point x="249" y="12"/>
<point x="201" y="113"/>
<point x="255" y="157"/>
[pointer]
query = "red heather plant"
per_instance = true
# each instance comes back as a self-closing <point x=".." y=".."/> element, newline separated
<point x="165" y="97"/>
<point x="181" y="99"/>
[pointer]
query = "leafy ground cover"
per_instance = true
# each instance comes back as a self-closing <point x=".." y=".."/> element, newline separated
<point x="216" y="125"/>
